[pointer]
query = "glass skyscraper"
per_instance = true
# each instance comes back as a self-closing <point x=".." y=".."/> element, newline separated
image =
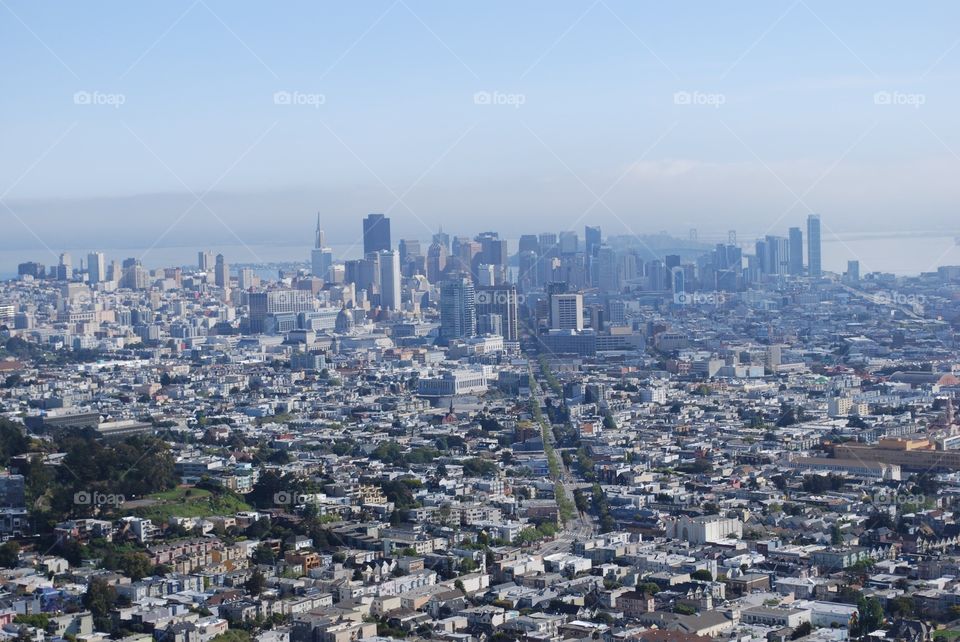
<point x="814" y="267"/>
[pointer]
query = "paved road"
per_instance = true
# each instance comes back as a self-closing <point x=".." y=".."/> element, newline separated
<point x="582" y="527"/>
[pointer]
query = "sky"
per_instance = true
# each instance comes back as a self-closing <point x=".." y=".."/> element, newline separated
<point x="222" y="121"/>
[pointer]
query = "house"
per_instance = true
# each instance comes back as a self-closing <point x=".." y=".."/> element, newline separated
<point x="634" y="603"/>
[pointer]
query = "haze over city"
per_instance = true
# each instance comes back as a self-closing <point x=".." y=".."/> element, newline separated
<point x="639" y="116"/>
<point x="594" y="321"/>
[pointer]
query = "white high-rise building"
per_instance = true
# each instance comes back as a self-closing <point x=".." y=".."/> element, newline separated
<point x="204" y="261"/>
<point x="321" y="257"/>
<point x="96" y="267"/>
<point x="390" y="280"/>
<point x="566" y="311"/>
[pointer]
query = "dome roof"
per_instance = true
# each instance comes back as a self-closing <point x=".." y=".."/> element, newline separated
<point x="344" y="322"/>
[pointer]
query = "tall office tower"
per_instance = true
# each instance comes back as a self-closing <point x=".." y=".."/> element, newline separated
<point x="493" y="252"/>
<point x="464" y="254"/>
<point x="443" y="239"/>
<point x="772" y="357"/>
<point x="777" y="255"/>
<point x="412" y="260"/>
<point x="319" y="238"/>
<point x="369" y="278"/>
<point x="221" y="272"/>
<point x="486" y="275"/>
<point x="656" y="274"/>
<point x="114" y="272"/>
<point x="572" y="268"/>
<point x="727" y="265"/>
<point x="608" y="277"/>
<point x="436" y="261"/>
<point x="204" y="261"/>
<point x="376" y="233"/>
<point x="527" y="270"/>
<point x="65" y="267"/>
<point x="566" y="311"/>
<point x="548" y="241"/>
<point x="592" y="239"/>
<point x="390" y="280"/>
<point x="321" y="256"/>
<point x="32" y="269"/>
<point x="549" y="250"/>
<point x="133" y="276"/>
<point x="458" y="314"/>
<point x="321" y="260"/>
<point x="814" y="267"/>
<point x="489" y="324"/>
<point x="761" y="252"/>
<point x="351" y="271"/>
<point x="671" y="261"/>
<point x="528" y="275"/>
<point x="796" y="251"/>
<point x="678" y="284"/>
<point x="409" y="250"/>
<point x="246" y="278"/>
<point x="336" y="273"/>
<point x="529" y="243"/>
<point x="96" y="267"/>
<point x="853" y="272"/>
<point x="501" y="301"/>
<point x="569" y="242"/>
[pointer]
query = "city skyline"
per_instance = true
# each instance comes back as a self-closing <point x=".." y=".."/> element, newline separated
<point x="789" y="108"/>
<point x="322" y="255"/>
<point x="432" y="321"/>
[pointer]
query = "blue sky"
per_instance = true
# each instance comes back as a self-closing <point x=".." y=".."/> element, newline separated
<point x="783" y="118"/>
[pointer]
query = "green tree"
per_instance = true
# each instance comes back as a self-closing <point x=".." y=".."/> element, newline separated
<point x="9" y="554"/>
<point x="869" y="615"/>
<point x="256" y="583"/>
<point x="133" y="564"/>
<point x="263" y="554"/>
<point x="99" y="599"/>
<point x="232" y="635"/>
<point x="13" y="440"/>
<point x="801" y="631"/>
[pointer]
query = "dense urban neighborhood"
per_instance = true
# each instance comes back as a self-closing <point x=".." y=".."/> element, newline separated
<point x="565" y="438"/>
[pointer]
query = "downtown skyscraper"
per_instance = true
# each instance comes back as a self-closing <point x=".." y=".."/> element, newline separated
<point x="376" y="233"/>
<point x="458" y="313"/>
<point x="814" y="266"/>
